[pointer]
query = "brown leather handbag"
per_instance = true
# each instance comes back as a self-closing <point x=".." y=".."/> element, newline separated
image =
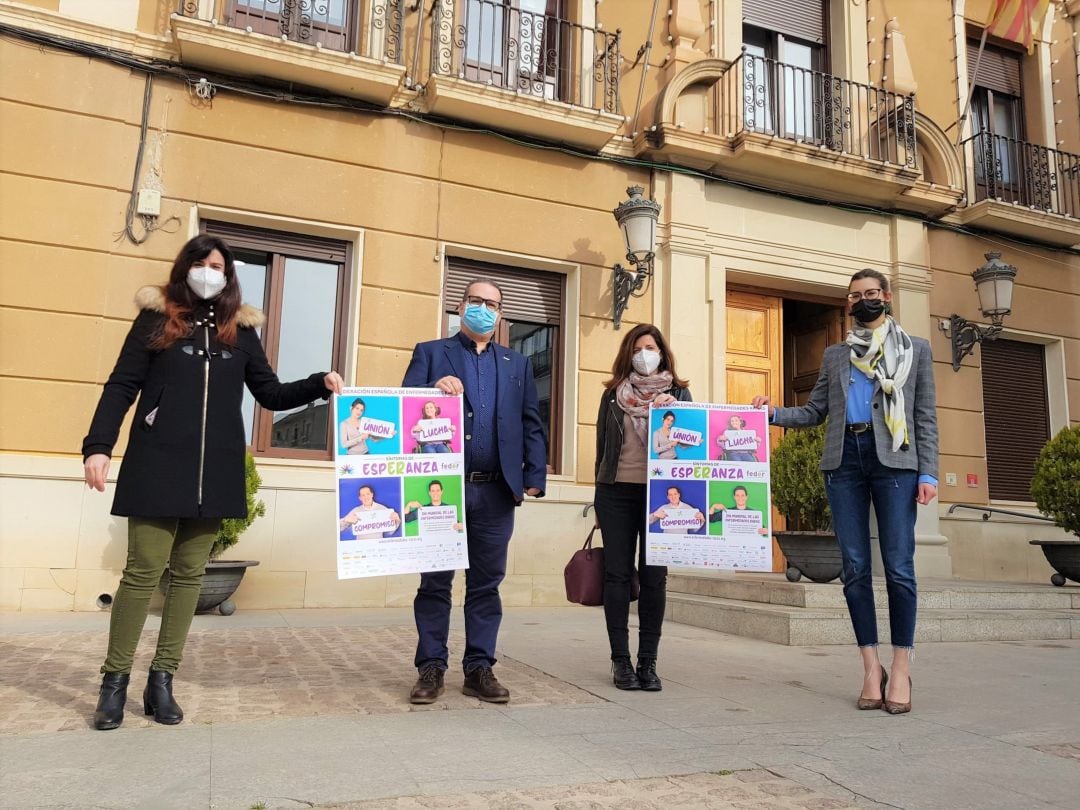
<point x="584" y="575"/>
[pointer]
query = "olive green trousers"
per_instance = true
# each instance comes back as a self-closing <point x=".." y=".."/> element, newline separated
<point x="182" y="543"/>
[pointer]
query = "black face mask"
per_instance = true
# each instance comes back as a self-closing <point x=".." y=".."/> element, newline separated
<point x="865" y="311"/>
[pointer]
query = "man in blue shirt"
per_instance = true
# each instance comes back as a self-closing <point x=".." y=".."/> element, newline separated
<point x="505" y="460"/>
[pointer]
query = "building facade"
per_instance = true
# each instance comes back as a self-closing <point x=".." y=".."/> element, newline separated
<point x="367" y="157"/>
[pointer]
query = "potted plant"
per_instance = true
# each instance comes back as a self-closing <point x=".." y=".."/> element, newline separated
<point x="223" y="577"/>
<point x="798" y="491"/>
<point x="1056" y="490"/>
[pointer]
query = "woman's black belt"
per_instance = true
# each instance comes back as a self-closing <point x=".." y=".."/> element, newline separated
<point x="859" y="427"/>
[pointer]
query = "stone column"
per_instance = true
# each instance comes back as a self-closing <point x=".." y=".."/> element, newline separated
<point x="910" y="276"/>
<point x="682" y="298"/>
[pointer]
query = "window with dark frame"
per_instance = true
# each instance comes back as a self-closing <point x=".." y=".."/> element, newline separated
<point x="329" y="23"/>
<point x="1015" y="413"/>
<point x="997" y="110"/>
<point x="531" y="324"/>
<point x="301" y="284"/>
<point x="524" y="45"/>
<point x="786" y="58"/>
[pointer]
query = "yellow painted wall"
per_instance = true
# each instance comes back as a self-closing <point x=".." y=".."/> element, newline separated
<point x="67" y="150"/>
<point x="928" y="31"/>
<point x="68" y="146"/>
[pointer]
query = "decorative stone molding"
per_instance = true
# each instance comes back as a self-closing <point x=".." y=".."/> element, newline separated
<point x="899" y="78"/>
<point x="234" y="50"/>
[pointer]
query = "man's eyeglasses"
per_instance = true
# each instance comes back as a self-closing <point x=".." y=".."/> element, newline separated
<point x="476" y="301"/>
<point x="869" y="295"/>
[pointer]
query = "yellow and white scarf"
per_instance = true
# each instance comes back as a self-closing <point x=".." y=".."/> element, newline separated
<point x="885" y="354"/>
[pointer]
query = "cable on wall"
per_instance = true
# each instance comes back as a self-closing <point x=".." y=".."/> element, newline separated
<point x="252" y="88"/>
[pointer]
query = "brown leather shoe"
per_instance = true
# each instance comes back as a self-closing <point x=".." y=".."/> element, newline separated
<point x="482" y="683"/>
<point x="428" y="686"/>
<point x="874" y="703"/>
<point x="893" y="707"/>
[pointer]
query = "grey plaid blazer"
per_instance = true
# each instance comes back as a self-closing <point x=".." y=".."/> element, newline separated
<point x="829" y="396"/>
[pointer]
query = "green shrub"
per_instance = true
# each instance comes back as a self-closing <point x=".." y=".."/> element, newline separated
<point x="798" y="487"/>
<point x="1056" y="485"/>
<point x="232" y="528"/>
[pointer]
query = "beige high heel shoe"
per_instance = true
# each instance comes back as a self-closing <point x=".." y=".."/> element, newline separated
<point x="892" y="707"/>
<point x="864" y="704"/>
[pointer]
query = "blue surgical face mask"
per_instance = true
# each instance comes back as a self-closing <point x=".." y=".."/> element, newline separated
<point x="479" y="319"/>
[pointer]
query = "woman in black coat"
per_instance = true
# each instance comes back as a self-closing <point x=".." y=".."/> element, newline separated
<point x="188" y="356"/>
<point x="642" y="377"/>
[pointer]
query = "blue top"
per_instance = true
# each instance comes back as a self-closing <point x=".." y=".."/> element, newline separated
<point x="860" y="392"/>
<point x="481" y="376"/>
<point x="860" y="395"/>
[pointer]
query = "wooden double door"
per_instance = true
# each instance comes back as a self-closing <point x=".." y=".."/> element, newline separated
<point x="775" y="348"/>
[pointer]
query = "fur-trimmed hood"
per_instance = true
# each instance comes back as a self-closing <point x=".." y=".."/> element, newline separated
<point x="153" y="298"/>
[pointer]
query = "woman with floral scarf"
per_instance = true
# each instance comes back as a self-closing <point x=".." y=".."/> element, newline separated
<point x="643" y="376"/>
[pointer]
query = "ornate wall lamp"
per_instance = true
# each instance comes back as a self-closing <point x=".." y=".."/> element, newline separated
<point x="994" y="284"/>
<point x="637" y="218"/>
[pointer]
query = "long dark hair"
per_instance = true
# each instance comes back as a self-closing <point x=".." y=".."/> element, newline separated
<point x="624" y="360"/>
<point x="180" y="300"/>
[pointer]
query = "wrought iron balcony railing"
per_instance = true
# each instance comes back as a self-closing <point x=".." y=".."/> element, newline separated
<point x="337" y="25"/>
<point x="1023" y="173"/>
<point x="535" y="54"/>
<point x="764" y="96"/>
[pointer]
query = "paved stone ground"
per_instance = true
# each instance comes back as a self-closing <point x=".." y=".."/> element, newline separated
<point x="49" y="681"/>
<point x="739" y="790"/>
<point x="307" y="708"/>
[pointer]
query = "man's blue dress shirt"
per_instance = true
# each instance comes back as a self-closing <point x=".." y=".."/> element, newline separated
<point x="481" y="377"/>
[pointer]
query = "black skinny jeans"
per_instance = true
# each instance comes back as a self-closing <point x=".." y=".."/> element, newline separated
<point x="620" y="511"/>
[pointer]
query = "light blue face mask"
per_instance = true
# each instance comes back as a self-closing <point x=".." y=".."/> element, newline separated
<point x="479" y="319"/>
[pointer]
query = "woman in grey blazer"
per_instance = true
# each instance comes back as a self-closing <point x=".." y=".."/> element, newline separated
<point x="881" y="447"/>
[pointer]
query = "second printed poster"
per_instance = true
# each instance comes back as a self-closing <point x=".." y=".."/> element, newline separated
<point x="709" y="501"/>
<point x="400" y="472"/>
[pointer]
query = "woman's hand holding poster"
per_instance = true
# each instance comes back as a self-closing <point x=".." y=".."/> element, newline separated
<point x="400" y="482"/>
<point x="709" y="507"/>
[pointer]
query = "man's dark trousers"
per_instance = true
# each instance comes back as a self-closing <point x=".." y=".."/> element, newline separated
<point x="489" y="522"/>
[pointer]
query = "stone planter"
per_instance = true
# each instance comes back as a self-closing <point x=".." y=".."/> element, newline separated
<point x="815" y="555"/>
<point x="220" y="582"/>
<point x="1064" y="558"/>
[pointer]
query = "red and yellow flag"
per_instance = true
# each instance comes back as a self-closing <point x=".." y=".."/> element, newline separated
<point x="1018" y="20"/>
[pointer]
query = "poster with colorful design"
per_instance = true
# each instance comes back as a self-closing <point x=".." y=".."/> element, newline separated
<point x="709" y="501"/>
<point x="400" y="470"/>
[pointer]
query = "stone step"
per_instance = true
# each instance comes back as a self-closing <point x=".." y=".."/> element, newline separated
<point x="802" y="626"/>
<point x="934" y="594"/>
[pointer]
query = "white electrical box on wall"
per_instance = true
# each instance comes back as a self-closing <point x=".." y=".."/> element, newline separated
<point x="149" y="202"/>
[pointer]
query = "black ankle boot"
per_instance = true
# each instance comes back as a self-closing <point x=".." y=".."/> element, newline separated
<point x="646" y="673"/>
<point x="158" y="699"/>
<point x="622" y="673"/>
<point x="110" y="706"/>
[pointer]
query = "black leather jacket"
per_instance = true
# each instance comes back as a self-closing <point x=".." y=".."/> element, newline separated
<point x="609" y="433"/>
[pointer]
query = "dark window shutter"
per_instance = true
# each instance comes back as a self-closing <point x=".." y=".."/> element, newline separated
<point x="528" y="295"/>
<point x="1015" y="413"/>
<point x="802" y="19"/>
<point x="999" y="69"/>
<point x="287" y="244"/>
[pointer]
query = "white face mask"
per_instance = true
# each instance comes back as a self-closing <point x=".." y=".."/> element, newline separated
<point x="646" y="362"/>
<point x="206" y="282"/>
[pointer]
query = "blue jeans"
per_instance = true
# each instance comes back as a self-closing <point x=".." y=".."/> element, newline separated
<point x="859" y="480"/>
<point x="489" y="522"/>
<point x="434" y="447"/>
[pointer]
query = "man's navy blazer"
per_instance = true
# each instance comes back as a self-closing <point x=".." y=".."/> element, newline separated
<point x="522" y="444"/>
